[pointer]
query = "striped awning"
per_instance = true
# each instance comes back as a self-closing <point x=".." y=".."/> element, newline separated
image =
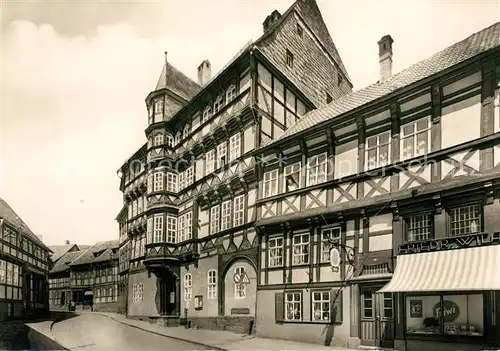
<point x="475" y="268"/>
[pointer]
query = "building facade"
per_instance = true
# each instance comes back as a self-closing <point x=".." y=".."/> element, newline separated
<point x="24" y="265"/>
<point x="190" y="192"/>
<point x="377" y="215"/>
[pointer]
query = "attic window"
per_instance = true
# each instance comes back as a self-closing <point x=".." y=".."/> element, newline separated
<point x="340" y="79"/>
<point x="289" y="59"/>
<point x="300" y="30"/>
<point x="328" y="98"/>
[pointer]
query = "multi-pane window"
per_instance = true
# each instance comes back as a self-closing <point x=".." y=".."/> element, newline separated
<point x="327" y="237"/>
<point x="172" y="182"/>
<point x="221" y="155"/>
<point x="207" y="112"/>
<point x="316" y="169"/>
<point x="465" y="220"/>
<point x="158" y="117"/>
<point x="186" y="131"/>
<point x="158" y="139"/>
<point x="292" y="177"/>
<point x="226" y="215"/>
<point x="415" y="138"/>
<point x="158" y="181"/>
<point x="219" y="102"/>
<point x="419" y="227"/>
<point x="321" y="306"/>
<point x="367" y="304"/>
<point x="138" y="292"/>
<point x="271" y="183"/>
<point x="182" y="180"/>
<point x="234" y="147"/>
<point x="149" y="230"/>
<point x="240" y="288"/>
<point x="185" y="227"/>
<point x="214" y="219"/>
<point x="239" y="207"/>
<point x="212" y="284"/>
<point x="158" y="229"/>
<point x="293" y="306"/>
<point x="189" y="176"/>
<point x="230" y="93"/>
<point x="169" y="140"/>
<point x="300" y="249"/>
<point x="378" y="148"/>
<point x="171" y="229"/>
<point x="188" y="287"/>
<point x="275" y="252"/>
<point x="210" y="162"/>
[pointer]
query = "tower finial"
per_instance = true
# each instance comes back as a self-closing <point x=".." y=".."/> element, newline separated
<point x="166" y="68"/>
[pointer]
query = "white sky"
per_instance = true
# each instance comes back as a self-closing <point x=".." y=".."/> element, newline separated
<point x="74" y="76"/>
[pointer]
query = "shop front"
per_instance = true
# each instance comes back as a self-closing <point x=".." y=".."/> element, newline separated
<point x="447" y="300"/>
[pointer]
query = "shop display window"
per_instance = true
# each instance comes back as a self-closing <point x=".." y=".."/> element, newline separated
<point x="460" y="314"/>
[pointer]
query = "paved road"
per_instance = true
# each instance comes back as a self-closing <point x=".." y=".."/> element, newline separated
<point x="98" y="332"/>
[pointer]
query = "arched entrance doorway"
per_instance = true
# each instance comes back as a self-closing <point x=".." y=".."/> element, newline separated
<point x="239" y="288"/>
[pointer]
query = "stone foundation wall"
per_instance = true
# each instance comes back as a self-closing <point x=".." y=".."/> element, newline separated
<point x="239" y="325"/>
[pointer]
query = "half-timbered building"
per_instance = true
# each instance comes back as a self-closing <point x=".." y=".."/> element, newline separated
<point x="401" y="180"/>
<point x="192" y="201"/>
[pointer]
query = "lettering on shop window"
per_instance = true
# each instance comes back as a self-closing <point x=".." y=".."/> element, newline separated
<point x="472" y="240"/>
<point x="450" y="311"/>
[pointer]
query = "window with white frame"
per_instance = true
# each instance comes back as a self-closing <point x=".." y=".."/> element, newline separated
<point x="210" y="162"/>
<point x="185" y="227"/>
<point x="316" y="169"/>
<point x="139" y="292"/>
<point x="230" y="93"/>
<point x="275" y="252"/>
<point x="328" y="236"/>
<point x="221" y="155"/>
<point x="465" y="220"/>
<point x="496" y="106"/>
<point x="226" y="215"/>
<point x="158" y="181"/>
<point x="186" y="131"/>
<point x="214" y="219"/>
<point x="292" y="177"/>
<point x="182" y="180"/>
<point x="189" y="176"/>
<point x="321" y="306"/>
<point x="240" y="289"/>
<point x="415" y="138"/>
<point x="212" y="284"/>
<point x="239" y="208"/>
<point x="178" y="137"/>
<point x="158" y="229"/>
<point x="158" y="139"/>
<point x="171" y="229"/>
<point x="158" y="117"/>
<point x="219" y="102"/>
<point x="169" y="140"/>
<point x="188" y="287"/>
<point x="149" y="230"/>
<point x="293" y="306"/>
<point x="300" y="248"/>
<point x="234" y="147"/>
<point x="378" y="149"/>
<point x="271" y="183"/>
<point x="207" y="112"/>
<point x="419" y="227"/>
<point x="172" y="182"/>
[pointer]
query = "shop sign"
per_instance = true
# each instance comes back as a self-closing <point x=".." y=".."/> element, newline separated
<point x="450" y="311"/>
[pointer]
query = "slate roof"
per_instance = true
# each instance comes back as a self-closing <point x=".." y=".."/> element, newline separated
<point x="477" y="43"/>
<point x="11" y="217"/>
<point x="99" y="252"/>
<point x="178" y="82"/>
<point x="63" y="263"/>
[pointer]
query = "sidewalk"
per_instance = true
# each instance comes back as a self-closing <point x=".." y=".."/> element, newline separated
<point x="218" y="339"/>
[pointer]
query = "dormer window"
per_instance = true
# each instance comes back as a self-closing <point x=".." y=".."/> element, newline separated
<point x="177" y="138"/>
<point x="186" y="131"/>
<point x="158" y="140"/>
<point x="169" y="140"/>
<point x="219" y="102"/>
<point x="230" y="93"/>
<point x="207" y="113"/>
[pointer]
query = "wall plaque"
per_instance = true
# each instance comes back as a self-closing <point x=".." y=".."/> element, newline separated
<point x="198" y="302"/>
<point x="415" y="308"/>
<point x="240" y="311"/>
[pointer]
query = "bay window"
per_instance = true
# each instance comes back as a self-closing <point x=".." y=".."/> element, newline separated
<point x="172" y="182"/>
<point x="221" y="155"/>
<point x="210" y="162"/>
<point x="158" y="181"/>
<point x="158" y="139"/>
<point x="226" y="215"/>
<point x="234" y="147"/>
<point x="158" y="229"/>
<point x="214" y="219"/>
<point x="239" y="207"/>
<point x="171" y="229"/>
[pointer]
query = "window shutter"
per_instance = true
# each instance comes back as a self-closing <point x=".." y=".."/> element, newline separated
<point x="336" y="305"/>
<point x="279" y="307"/>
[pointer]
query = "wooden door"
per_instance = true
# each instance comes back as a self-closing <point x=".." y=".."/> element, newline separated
<point x="377" y="318"/>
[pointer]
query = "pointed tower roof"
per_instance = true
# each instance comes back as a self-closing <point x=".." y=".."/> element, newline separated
<point x="173" y="79"/>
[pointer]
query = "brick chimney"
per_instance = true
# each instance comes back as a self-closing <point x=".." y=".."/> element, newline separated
<point x="204" y="72"/>
<point x="271" y="19"/>
<point x="385" y="57"/>
<point x="66" y="242"/>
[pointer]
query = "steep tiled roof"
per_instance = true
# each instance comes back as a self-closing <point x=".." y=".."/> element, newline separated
<point x="59" y="250"/>
<point x="93" y="253"/>
<point x="480" y="42"/>
<point x="11" y="217"/>
<point x="178" y="82"/>
<point x="63" y="263"/>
